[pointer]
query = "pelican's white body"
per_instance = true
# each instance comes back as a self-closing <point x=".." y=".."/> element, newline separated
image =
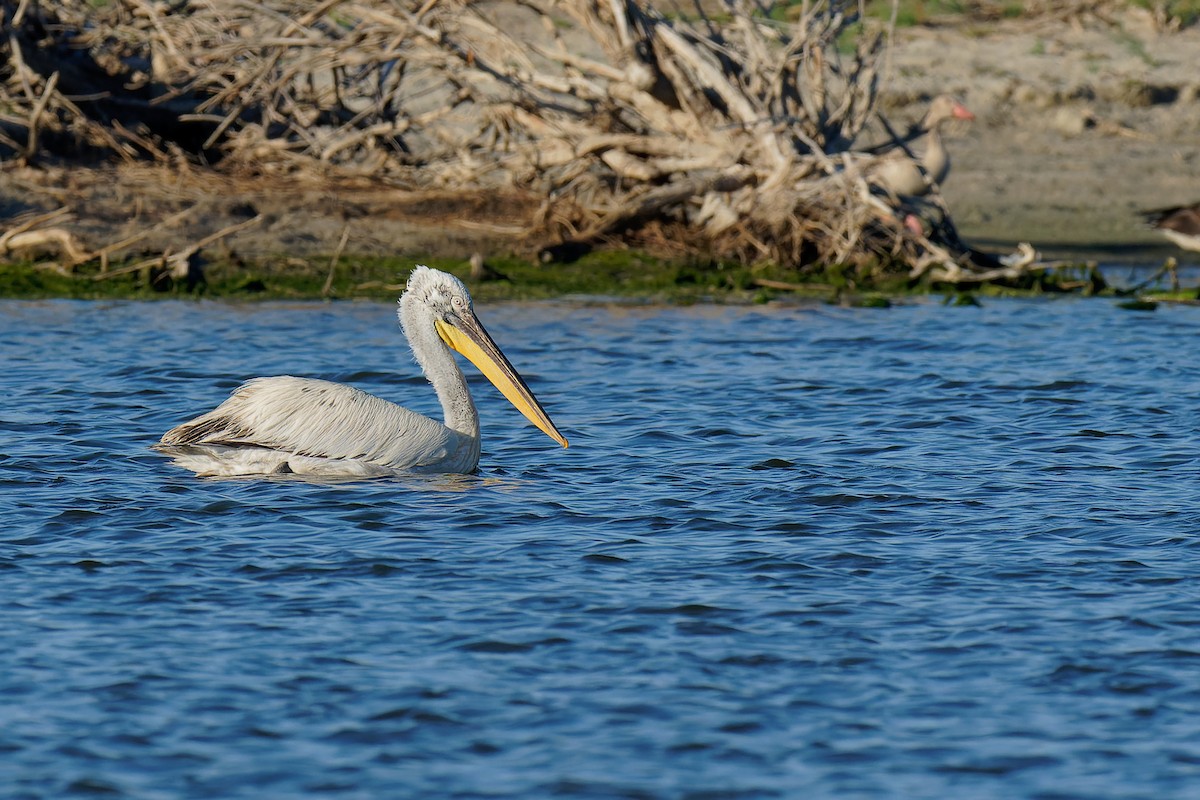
<point x="315" y="427"/>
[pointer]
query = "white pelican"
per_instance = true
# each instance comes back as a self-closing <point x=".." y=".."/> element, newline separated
<point x="315" y="427"/>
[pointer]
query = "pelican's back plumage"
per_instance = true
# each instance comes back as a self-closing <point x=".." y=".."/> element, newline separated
<point x="311" y="425"/>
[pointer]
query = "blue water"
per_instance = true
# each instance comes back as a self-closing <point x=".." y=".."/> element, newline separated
<point x="792" y="552"/>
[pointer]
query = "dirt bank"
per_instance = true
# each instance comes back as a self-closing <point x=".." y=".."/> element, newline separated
<point x="1079" y="124"/>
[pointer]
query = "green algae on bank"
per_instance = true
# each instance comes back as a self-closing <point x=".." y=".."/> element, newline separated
<point x="617" y="274"/>
<point x="620" y="275"/>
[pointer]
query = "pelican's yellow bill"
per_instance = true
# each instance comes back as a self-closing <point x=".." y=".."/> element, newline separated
<point x="474" y="342"/>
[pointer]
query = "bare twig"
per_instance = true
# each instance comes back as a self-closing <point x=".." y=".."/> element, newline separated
<point x="337" y="253"/>
<point x="183" y="255"/>
<point x="35" y="117"/>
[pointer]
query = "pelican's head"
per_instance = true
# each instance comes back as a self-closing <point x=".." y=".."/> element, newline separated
<point x="441" y="291"/>
<point x="454" y="318"/>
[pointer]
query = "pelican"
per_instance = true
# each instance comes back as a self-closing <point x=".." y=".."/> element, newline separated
<point x="314" y="427"/>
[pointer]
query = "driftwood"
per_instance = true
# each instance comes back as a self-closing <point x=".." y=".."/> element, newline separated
<point x="181" y="264"/>
<point x="29" y="235"/>
<point x="48" y="238"/>
<point x="733" y="133"/>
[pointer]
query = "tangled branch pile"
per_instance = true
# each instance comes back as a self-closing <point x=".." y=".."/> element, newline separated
<point x="732" y="133"/>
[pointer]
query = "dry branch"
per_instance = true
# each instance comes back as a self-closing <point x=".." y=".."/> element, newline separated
<point x="60" y="239"/>
<point x="30" y="235"/>
<point x="180" y="263"/>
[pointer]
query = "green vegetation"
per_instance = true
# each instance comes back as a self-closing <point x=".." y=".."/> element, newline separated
<point x="618" y="276"/>
<point x="923" y="12"/>
<point x="1181" y="12"/>
<point x="910" y="13"/>
<point x="1136" y="48"/>
<point x="1189" y="296"/>
<point x="612" y="274"/>
<point x="960" y="299"/>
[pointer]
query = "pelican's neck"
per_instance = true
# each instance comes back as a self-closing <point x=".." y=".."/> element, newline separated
<point x="439" y="366"/>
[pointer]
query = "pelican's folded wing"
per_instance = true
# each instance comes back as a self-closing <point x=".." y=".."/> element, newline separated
<point x="320" y="419"/>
